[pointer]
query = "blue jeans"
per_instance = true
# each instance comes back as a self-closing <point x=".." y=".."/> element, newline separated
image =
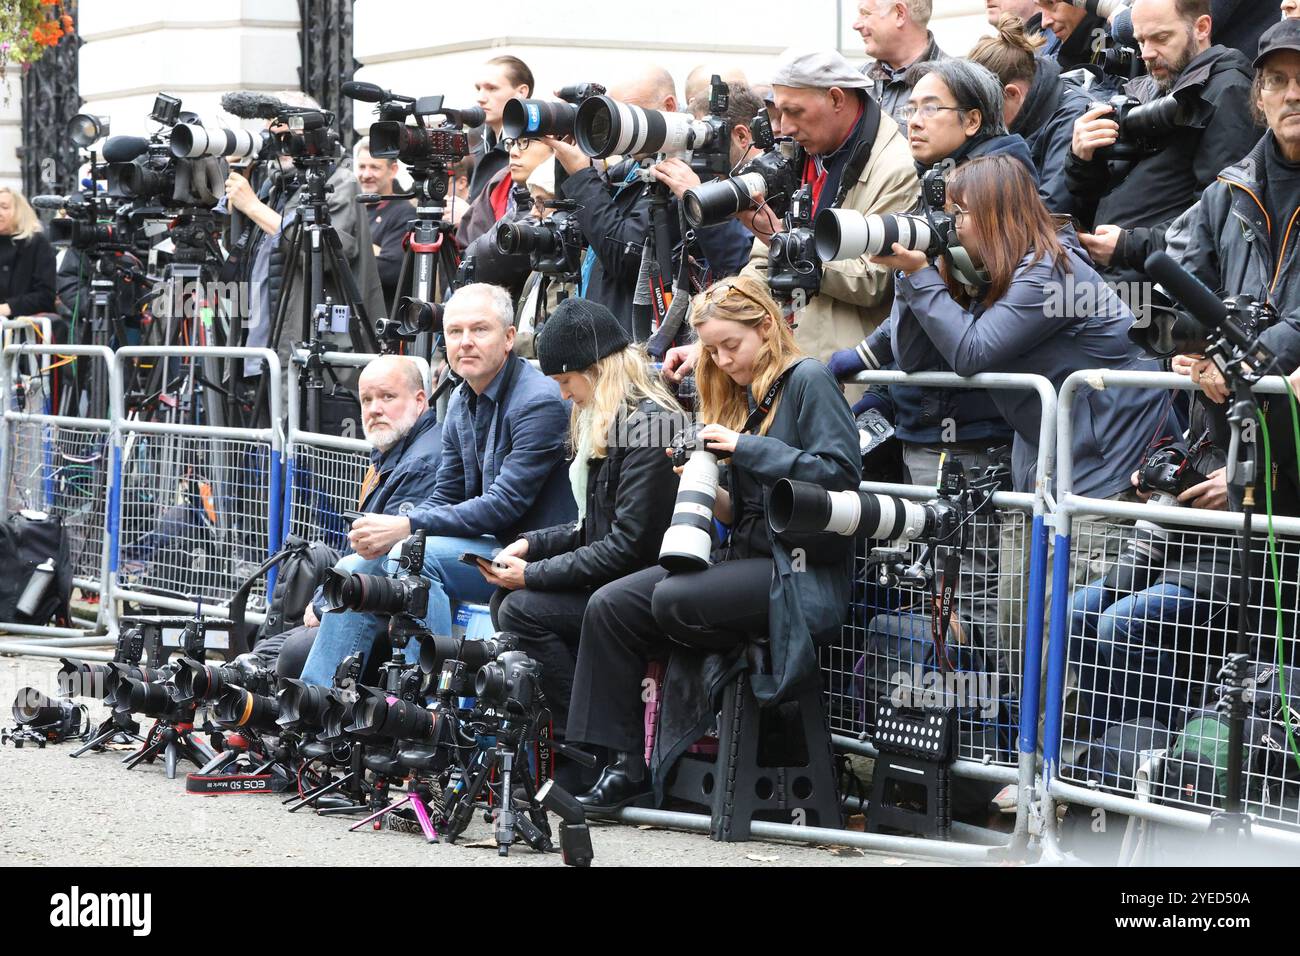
<point x="343" y="633"/>
<point x="1127" y="653"/>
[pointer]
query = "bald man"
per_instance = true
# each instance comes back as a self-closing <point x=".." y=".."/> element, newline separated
<point x="697" y="81"/>
<point x="397" y="420"/>
<point x="614" y="212"/>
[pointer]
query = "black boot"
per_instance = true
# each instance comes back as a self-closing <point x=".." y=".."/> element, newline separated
<point x="623" y="782"/>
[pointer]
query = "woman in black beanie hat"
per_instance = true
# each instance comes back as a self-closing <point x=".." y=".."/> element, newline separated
<point x="623" y="483"/>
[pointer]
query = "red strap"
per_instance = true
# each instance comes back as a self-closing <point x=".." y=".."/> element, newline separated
<point x="500" y="197"/>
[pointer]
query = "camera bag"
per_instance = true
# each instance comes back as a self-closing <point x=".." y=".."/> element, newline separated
<point x="25" y="543"/>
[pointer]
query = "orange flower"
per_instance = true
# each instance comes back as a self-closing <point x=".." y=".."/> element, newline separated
<point x="67" y="23"/>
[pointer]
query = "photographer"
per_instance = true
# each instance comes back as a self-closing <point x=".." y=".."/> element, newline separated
<point x="1029" y="314"/>
<point x="496" y="203"/>
<point x="1075" y="29"/>
<point x="1037" y="104"/>
<point x="500" y="473"/>
<point x="390" y="219"/>
<point x="750" y="590"/>
<point x="1237" y="24"/>
<point x="614" y="213"/>
<point x="501" y="79"/>
<point x="857" y="159"/>
<point x="622" y="482"/>
<point x="397" y="420"/>
<point x="896" y="34"/>
<point x="1026" y="11"/>
<point x="726" y="246"/>
<point x="1262" y="190"/>
<point x="26" y="259"/>
<point x="275" y="230"/>
<point x="1135" y="203"/>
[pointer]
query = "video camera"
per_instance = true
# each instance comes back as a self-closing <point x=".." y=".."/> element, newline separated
<point x="1164" y="330"/>
<point x="770" y="179"/>
<point x="156" y="172"/>
<point x="424" y="144"/>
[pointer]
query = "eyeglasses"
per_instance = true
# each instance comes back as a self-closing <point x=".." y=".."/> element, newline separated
<point x="522" y="143"/>
<point x="1277" y="82"/>
<point x="958" y="216"/>
<point x="927" y="112"/>
<point x="713" y="297"/>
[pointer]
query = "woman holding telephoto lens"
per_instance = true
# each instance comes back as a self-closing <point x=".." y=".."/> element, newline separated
<point x="771" y="413"/>
<point x="1038" y="307"/>
<point x="623" y="419"/>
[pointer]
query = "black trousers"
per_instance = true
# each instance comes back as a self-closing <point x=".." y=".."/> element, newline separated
<point x="546" y="625"/>
<point x="637" y="619"/>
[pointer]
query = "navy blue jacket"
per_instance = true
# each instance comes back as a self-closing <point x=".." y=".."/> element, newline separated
<point x="408" y="471"/>
<point x="518" y="480"/>
<point x="1036" y="329"/>
<point x="1046" y="121"/>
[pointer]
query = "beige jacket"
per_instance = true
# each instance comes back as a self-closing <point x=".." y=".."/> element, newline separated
<point x="855" y="295"/>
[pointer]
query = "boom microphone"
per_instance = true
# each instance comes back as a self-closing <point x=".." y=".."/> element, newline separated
<point x="51" y="202"/>
<point x="1205" y="307"/>
<point x="123" y="149"/>
<point x="1210" y="311"/>
<point x="248" y="105"/>
<point x="366" y="92"/>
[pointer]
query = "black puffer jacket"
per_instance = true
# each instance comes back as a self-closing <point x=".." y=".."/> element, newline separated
<point x="1144" y="197"/>
<point x="1046" y="122"/>
<point x="630" y="495"/>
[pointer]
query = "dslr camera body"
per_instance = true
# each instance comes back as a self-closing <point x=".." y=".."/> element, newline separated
<point x="403" y="596"/>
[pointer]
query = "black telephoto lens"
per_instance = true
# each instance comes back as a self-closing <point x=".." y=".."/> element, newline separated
<point x="301" y="705"/>
<point x="364" y="592"/>
<point x="524" y="119"/>
<point x="83" y="679"/>
<point x="237" y="707"/>
<point x="32" y="708"/>
<point x="195" y="680"/>
<point x="139" y="697"/>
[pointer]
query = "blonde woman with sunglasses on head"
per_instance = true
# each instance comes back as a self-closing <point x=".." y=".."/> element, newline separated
<point x="753" y="587"/>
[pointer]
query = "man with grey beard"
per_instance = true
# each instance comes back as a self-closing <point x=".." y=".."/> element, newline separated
<point x="1133" y="202"/>
<point x="397" y="420"/>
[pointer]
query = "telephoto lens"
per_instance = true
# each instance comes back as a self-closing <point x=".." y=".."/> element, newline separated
<point x="521" y="118"/>
<point x="120" y="677"/>
<point x="515" y="238"/>
<point x="149" y="698"/>
<point x="337" y="716"/>
<point x="364" y="592"/>
<point x="688" y="542"/>
<point x="192" y="141"/>
<point x="606" y="127"/>
<point x="302" y="706"/>
<point x="196" y="680"/>
<point x="711" y="203"/>
<point x="379" y="714"/>
<point x="83" y="679"/>
<point x="801" y="507"/>
<point x="411" y="317"/>
<point x="848" y="234"/>
<point x="437" y="648"/>
<point x="33" y="709"/>
<point x="1152" y="121"/>
<point x="239" y="707"/>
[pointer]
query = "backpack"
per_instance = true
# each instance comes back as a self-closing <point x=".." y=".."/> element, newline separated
<point x="302" y="567"/>
<point x="26" y="542"/>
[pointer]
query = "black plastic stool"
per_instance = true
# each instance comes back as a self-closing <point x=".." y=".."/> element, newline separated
<point x="911" y="783"/>
<point x="747" y="779"/>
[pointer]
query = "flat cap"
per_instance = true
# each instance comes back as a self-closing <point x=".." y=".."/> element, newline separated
<point x="817" y="69"/>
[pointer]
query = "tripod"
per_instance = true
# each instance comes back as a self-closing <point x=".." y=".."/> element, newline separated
<point x="175" y="740"/>
<point x="119" y="728"/>
<point x="430" y="261"/>
<point x="314" y="247"/>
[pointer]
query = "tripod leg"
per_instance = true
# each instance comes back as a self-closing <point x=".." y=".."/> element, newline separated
<point x="422" y="814"/>
<point x="221" y="760"/>
<point x="172" y="756"/>
<point x="315" y="792"/>
<point x="379" y="813"/>
<point x="147" y="752"/>
<point x="96" y="742"/>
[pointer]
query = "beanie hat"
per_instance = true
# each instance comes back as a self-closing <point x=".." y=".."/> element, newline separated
<point x="578" y="334"/>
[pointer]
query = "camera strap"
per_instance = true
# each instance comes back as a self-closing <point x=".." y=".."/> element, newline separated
<point x="765" y="404"/>
<point x="942" y="598"/>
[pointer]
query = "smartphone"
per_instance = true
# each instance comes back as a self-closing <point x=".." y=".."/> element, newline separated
<point x="351" y="516"/>
<point x="475" y="560"/>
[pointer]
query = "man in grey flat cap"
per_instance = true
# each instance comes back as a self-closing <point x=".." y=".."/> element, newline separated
<point x="856" y="159"/>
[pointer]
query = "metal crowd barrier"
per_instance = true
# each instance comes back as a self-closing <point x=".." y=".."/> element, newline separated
<point x="1153" y="661"/>
<point x="62" y="466"/>
<point x="197" y="507"/>
<point x="323" y="473"/>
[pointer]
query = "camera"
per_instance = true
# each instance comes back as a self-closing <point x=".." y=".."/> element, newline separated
<point x="521" y="118"/>
<point x="1143" y="127"/>
<point x="411" y="318"/>
<point x="554" y="245"/>
<point x="192" y="140"/>
<point x="195" y="680"/>
<point x="404" y="597"/>
<point x="689" y="539"/>
<point x="769" y="179"/>
<point x="508" y="683"/>
<point x="239" y="707"/>
<point x="421" y="144"/>
<point x="43" y="718"/>
<point x="792" y="261"/>
<point x="800" y="507"/>
<point x="848" y="234"/>
<point x="605" y="127"/>
<point x="1163" y="330"/>
<point x="1165" y="474"/>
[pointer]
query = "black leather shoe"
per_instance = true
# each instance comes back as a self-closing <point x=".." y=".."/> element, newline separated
<point x="615" y="790"/>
